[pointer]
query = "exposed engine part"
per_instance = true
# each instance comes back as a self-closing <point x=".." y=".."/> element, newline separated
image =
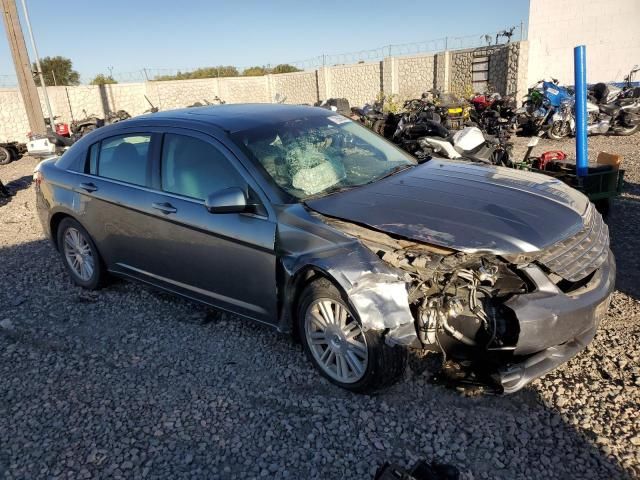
<point x="454" y="297"/>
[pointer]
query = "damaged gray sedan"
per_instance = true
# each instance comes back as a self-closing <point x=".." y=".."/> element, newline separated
<point x="297" y="217"/>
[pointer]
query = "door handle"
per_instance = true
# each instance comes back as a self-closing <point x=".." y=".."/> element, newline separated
<point x="164" y="207"/>
<point x="89" y="187"/>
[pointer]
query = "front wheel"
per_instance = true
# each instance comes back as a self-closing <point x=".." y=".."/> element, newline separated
<point x="339" y="348"/>
<point x="558" y="130"/>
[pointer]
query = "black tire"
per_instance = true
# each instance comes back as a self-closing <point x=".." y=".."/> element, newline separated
<point x="5" y="156"/>
<point x="385" y="364"/>
<point x="98" y="277"/>
<point x="625" y="132"/>
<point x="556" y="132"/>
<point x="378" y="127"/>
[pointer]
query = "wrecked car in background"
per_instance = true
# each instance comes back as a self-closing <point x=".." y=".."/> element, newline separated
<point x="300" y="218"/>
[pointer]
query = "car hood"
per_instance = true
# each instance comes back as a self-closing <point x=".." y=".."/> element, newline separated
<point x="464" y="206"/>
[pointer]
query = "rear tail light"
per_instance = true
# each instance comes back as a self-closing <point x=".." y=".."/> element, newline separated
<point x="37" y="177"/>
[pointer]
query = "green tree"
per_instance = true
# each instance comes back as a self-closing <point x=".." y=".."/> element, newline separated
<point x="255" y="71"/>
<point x="285" y="68"/>
<point x="206" y="72"/>
<point x="101" y="79"/>
<point x="57" y="71"/>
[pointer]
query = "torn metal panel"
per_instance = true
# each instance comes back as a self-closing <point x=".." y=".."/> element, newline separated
<point x="377" y="292"/>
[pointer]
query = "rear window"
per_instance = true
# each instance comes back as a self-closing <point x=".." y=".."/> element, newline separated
<point x="124" y="158"/>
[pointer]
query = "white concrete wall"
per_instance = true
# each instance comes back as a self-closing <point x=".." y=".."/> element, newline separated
<point x="360" y="83"/>
<point x="610" y="30"/>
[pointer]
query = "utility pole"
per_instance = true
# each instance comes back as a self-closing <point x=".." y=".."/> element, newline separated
<point x="23" y="66"/>
<point x="35" y="52"/>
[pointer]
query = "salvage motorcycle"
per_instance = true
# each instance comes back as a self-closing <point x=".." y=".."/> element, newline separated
<point x="540" y="103"/>
<point x="620" y="117"/>
<point x="81" y="127"/>
<point x="488" y="109"/>
<point x="427" y="137"/>
<point x="115" y="117"/>
<point x="603" y="93"/>
<point x="374" y="118"/>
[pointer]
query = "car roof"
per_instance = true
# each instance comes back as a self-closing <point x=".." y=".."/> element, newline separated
<point x="237" y="117"/>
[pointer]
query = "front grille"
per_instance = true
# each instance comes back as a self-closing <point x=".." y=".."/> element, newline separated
<point x="581" y="254"/>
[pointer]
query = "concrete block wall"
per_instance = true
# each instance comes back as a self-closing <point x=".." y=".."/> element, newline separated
<point x="180" y="93"/>
<point x="359" y="83"/>
<point x="245" y="90"/>
<point x="415" y="75"/>
<point x="13" y="117"/>
<point x="299" y="87"/>
<point x="407" y="77"/>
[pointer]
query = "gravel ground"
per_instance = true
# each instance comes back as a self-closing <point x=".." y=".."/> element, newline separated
<point x="132" y="383"/>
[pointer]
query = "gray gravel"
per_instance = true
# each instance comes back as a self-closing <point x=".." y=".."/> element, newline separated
<point x="132" y="383"/>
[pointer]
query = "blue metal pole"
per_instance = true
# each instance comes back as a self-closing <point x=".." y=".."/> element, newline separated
<point x="580" y="73"/>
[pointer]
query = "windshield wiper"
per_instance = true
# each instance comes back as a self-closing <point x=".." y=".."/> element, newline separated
<point x="331" y="191"/>
<point x="393" y="171"/>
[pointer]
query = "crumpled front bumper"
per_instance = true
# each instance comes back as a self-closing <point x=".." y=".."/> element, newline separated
<point x="554" y="326"/>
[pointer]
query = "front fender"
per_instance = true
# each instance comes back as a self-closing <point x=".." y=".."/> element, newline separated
<point x="376" y="293"/>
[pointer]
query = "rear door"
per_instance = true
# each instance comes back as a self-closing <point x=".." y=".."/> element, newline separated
<point x="114" y="197"/>
<point x="227" y="260"/>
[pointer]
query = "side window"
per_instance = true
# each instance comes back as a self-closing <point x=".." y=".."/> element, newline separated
<point x="195" y="168"/>
<point x="124" y="158"/>
<point x="93" y="158"/>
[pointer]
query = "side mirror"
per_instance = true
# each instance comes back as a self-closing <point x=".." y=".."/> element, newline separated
<point x="229" y="200"/>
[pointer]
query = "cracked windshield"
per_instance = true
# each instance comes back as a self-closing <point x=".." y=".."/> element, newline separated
<point x="316" y="156"/>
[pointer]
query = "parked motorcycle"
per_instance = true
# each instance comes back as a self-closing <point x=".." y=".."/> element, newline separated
<point x="424" y="138"/>
<point x="489" y="109"/>
<point x="603" y="93"/>
<point x="540" y="103"/>
<point x="373" y="117"/>
<point x="619" y="117"/>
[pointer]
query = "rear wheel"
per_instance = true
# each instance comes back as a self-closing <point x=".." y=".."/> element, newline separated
<point x="339" y="348"/>
<point x="626" y="131"/>
<point x="80" y="255"/>
<point x="5" y="156"/>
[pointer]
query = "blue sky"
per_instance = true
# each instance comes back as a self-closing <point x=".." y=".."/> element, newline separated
<point x="131" y="34"/>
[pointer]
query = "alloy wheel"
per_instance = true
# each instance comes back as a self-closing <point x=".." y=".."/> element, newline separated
<point x="77" y="252"/>
<point x="336" y="340"/>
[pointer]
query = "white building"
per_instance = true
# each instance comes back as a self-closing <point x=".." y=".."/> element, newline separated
<point x="610" y="30"/>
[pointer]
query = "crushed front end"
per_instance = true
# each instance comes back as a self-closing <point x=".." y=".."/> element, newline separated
<point x="516" y="317"/>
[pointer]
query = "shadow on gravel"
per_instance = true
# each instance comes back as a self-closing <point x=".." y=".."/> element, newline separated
<point x="631" y="187"/>
<point x="135" y="347"/>
<point x="13" y="187"/>
<point x="624" y="229"/>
